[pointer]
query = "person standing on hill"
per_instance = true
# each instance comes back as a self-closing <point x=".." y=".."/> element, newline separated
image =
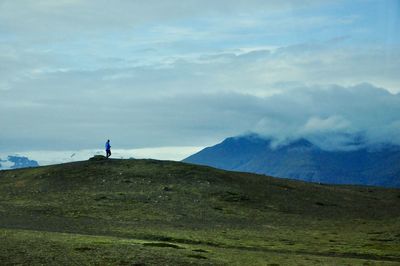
<point x="108" y="148"/>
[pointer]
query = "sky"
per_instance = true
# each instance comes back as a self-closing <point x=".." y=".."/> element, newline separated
<point x="175" y="76"/>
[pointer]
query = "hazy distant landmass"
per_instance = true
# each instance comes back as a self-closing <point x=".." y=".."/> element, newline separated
<point x="304" y="160"/>
<point x="15" y="162"/>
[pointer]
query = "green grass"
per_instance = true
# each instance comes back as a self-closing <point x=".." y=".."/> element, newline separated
<point x="148" y="212"/>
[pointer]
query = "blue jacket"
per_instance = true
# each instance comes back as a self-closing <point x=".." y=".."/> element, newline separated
<point x="108" y="146"/>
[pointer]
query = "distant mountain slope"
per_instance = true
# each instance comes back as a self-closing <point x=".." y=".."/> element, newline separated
<point x="15" y="162"/>
<point x="304" y="161"/>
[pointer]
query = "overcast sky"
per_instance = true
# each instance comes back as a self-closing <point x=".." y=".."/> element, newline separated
<point x="173" y="73"/>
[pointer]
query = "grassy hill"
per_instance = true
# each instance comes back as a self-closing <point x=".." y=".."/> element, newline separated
<point x="148" y="212"/>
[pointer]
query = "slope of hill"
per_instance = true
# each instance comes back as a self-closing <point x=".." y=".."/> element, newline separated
<point x="147" y="212"/>
<point x="304" y="161"/>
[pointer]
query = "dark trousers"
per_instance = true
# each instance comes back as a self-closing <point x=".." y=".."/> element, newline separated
<point x="108" y="153"/>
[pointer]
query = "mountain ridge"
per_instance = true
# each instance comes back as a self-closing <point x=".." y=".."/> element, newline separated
<point x="301" y="159"/>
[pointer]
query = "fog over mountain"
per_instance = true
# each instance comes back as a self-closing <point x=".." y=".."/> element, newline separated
<point x="334" y="118"/>
<point x="301" y="159"/>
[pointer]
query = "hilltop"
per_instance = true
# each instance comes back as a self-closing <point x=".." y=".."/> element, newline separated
<point x="149" y="212"/>
<point x="303" y="160"/>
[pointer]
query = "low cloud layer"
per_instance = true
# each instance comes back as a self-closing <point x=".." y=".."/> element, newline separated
<point x="334" y="117"/>
<point x="200" y="119"/>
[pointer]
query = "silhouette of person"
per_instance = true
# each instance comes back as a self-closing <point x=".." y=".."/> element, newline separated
<point x="108" y="148"/>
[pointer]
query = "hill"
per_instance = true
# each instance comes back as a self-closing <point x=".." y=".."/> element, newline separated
<point x="148" y="212"/>
<point x="303" y="160"/>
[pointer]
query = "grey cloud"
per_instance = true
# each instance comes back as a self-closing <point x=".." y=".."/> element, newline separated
<point x="197" y="101"/>
<point x="330" y="116"/>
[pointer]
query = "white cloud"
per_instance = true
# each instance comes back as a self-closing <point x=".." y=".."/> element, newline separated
<point x="333" y="117"/>
<point x="322" y="125"/>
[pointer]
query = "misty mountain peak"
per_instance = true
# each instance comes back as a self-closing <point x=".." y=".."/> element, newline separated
<point x="304" y="160"/>
<point x="299" y="143"/>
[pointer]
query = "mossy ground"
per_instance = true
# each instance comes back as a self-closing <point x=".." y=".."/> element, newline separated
<point x="148" y="212"/>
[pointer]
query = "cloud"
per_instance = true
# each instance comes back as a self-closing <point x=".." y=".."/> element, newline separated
<point x="203" y="118"/>
<point x="129" y="13"/>
<point x="322" y="125"/>
<point x="334" y="117"/>
<point x="127" y="40"/>
<point x="164" y="73"/>
<point x="199" y="99"/>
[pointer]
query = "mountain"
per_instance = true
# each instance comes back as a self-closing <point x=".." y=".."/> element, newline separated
<point x="302" y="160"/>
<point x="149" y="212"/>
<point x="15" y="162"/>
